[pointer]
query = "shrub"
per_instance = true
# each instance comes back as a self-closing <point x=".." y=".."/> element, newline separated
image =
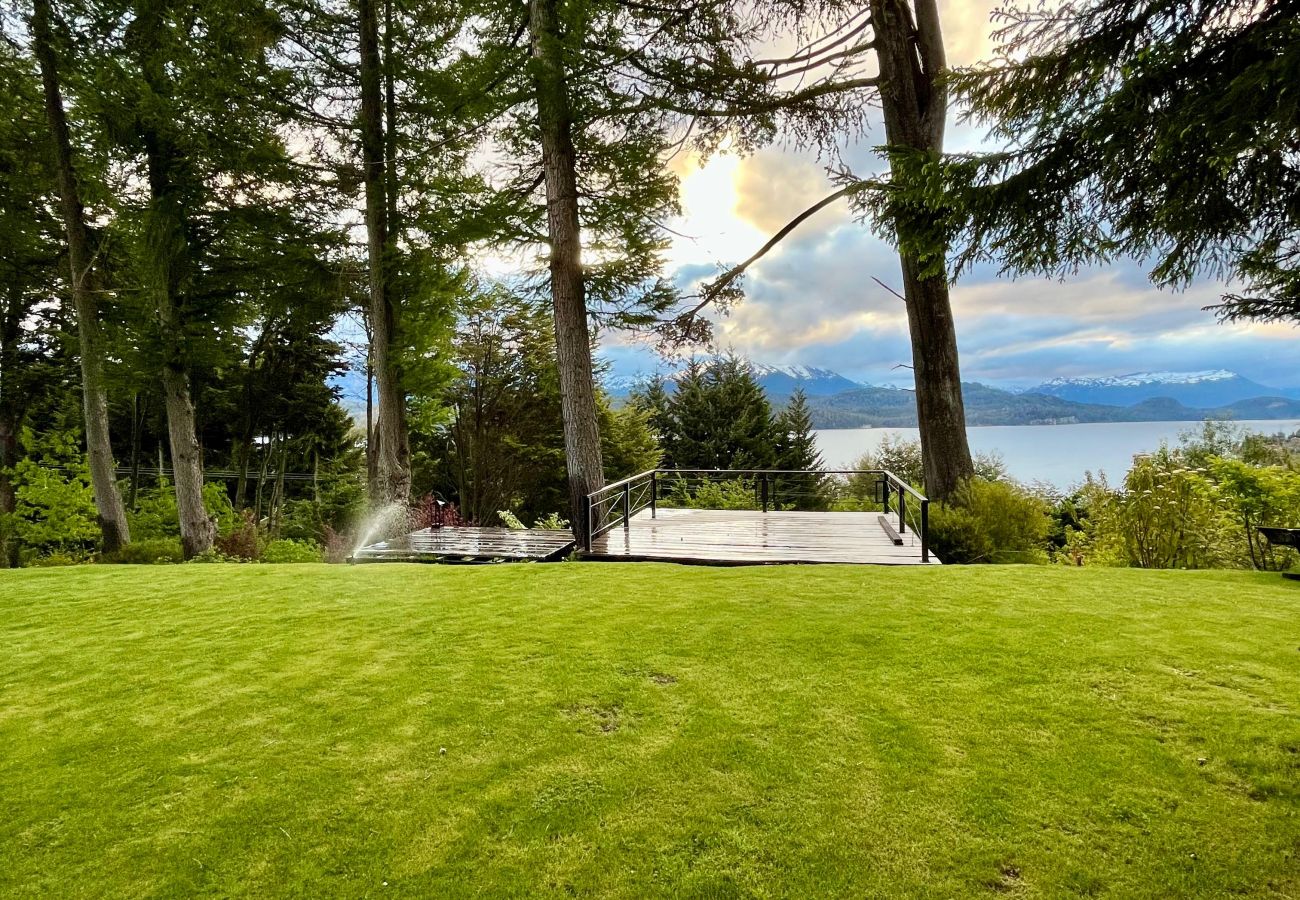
<point x="552" y="522"/>
<point x="241" y="541"/>
<point x="510" y="520"/>
<point x="287" y="551"/>
<point x="1089" y="527"/>
<point x="337" y="547"/>
<point x="1255" y="496"/>
<point x="51" y="560"/>
<point x="1169" y="515"/>
<point x="990" y="522"/>
<point x="213" y="555"/>
<point x="902" y="457"/>
<point x="54" y="513"/>
<point x="155" y="550"/>
<point x="155" y="513"/>
<point x="735" y="494"/>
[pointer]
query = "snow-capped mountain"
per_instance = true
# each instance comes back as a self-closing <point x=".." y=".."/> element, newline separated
<point x="1205" y="389"/>
<point x="778" y="381"/>
<point x="782" y="381"/>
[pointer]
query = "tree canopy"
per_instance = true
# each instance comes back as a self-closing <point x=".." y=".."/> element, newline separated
<point x="1157" y="129"/>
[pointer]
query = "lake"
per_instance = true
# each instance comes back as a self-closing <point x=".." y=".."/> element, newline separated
<point x="1057" y="454"/>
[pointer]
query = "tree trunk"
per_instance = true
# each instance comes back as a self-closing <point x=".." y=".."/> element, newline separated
<point x="14" y="399"/>
<point x="568" y="296"/>
<point x="169" y="245"/>
<point x="915" y="104"/>
<point x="9" y="419"/>
<point x="99" y="448"/>
<point x="197" y="528"/>
<point x="392" y="451"/>
<point x="137" y="425"/>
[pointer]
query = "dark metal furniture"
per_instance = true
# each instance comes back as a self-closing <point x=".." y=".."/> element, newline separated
<point x="1283" y="537"/>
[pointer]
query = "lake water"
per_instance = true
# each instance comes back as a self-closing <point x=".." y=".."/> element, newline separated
<point x="1057" y="454"/>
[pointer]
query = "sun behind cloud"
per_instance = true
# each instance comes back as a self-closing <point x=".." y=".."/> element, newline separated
<point x="711" y="230"/>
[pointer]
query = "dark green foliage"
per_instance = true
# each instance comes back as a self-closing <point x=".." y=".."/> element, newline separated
<point x="288" y="551"/>
<point x="717" y="418"/>
<point x="628" y="441"/>
<point x="654" y="400"/>
<point x="796" y="449"/>
<point x="502" y="447"/>
<point x="1160" y="130"/>
<point x="990" y="522"/>
<point x="148" y="552"/>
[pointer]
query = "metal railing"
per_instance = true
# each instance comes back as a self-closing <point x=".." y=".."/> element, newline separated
<point x="616" y="504"/>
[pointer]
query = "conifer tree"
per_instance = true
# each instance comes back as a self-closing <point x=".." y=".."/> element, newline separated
<point x="83" y="285"/>
<point x="654" y="401"/>
<point x="719" y="418"/>
<point x="796" y="450"/>
<point x="1134" y="128"/>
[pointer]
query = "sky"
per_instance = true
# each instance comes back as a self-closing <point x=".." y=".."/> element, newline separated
<point x="812" y="301"/>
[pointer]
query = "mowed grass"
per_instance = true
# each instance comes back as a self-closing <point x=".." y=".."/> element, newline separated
<point x="635" y="730"/>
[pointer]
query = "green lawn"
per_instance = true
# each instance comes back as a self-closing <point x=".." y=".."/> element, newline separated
<point x="630" y="730"/>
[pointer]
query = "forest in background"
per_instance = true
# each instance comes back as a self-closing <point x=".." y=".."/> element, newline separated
<point x="194" y="196"/>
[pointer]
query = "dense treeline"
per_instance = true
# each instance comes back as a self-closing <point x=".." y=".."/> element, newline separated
<point x="210" y="210"/>
<point x="204" y="203"/>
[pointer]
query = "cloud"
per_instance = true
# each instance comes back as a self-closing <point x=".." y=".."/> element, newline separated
<point x="813" y="299"/>
<point x="773" y="187"/>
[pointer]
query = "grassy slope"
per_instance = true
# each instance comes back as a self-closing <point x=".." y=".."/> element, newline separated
<point x="647" y="729"/>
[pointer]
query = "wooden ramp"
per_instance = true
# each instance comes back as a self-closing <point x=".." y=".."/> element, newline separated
<point x="471" y="545"/>
<point x="752" y="537"/>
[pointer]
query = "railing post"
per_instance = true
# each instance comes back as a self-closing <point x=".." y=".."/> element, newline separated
<point x="627" y="505"/>
<point x="884" y="482"/>
<point x="925" y="531"/>
<point x="654" y="493"/>
<point x="902" y="510"/>
<point x="585" y="512"/>
<point x="763" y="482"/>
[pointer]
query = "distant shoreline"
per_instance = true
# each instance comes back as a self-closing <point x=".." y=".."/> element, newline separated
<point x="1057" y="424"/>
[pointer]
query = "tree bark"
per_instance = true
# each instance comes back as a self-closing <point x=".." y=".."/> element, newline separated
<point x="8" y="499"/>
<point x="568" y="293"/>
<point x="392" y="451"/>
<point x="914" y="103"/>
<point x="137" y="425"/>
<point x="13" y="410"/>
<point x="99" y="449"/>
<point x="169" y="245"/>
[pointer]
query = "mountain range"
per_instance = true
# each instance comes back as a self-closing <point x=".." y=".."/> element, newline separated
<point x="840" y="402"/>
<point x="1214" y="387"/>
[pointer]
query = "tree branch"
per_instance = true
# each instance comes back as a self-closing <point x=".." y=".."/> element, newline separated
<point x="711" y="291"/>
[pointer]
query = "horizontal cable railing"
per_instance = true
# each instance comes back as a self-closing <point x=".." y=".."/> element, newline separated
<point x="760" y="489"/>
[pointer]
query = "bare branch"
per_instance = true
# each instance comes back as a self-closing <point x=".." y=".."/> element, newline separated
<point x="712" y="291"/>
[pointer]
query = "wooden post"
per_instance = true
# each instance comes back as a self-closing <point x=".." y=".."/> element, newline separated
<point x="763" y="483"/>
<point x="654" y="493"/>
<point x="902" y="510"/>
<point x="627" y="505"/>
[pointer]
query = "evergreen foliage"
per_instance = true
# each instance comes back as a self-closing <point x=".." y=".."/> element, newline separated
<point x="1136" y="128"/>
<point x="796" y="449"/>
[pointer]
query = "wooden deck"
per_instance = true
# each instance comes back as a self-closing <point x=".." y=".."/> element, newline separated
<point x="467" y="545"/>
<point x="750" y="537"/>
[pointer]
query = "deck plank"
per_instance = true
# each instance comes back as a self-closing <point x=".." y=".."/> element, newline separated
<point x="470" y="544"/>
<point x="750" y="536"/>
